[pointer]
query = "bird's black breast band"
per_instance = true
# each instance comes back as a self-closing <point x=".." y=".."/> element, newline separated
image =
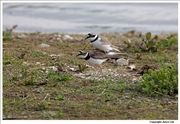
<point x="95" y="39"/>
<point x="87" y="57"/>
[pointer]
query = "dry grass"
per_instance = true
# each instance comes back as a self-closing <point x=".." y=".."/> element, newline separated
<point x="32" y="89"/>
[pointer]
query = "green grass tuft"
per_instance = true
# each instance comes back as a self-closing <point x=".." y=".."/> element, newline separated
<point x="58" y="77"/>
<point x="7" y="36"/>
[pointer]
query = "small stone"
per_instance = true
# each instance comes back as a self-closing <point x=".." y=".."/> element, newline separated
<point x="176" y="96"/>
<point x="44" y="45"/>
<point x="67" y="38"/>
<point x="132" y="67"/>
<point x="25" y="63"/>
<point x="122" y="62"/>
<point x="38" y="63"/>
<point x="21" y="36"/>
<point x="134" y="79"/>
<point x="53" y="68"/>
<point x="20" y="76"/>
<point x="71" y="69"/>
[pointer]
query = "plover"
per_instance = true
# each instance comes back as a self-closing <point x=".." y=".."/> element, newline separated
<point x="101" y="43"/>
<point x="93" y="58"/>
<point x="98" y="57"/>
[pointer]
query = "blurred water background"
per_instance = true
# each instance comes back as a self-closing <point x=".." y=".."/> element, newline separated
<point x="91" y="17"/>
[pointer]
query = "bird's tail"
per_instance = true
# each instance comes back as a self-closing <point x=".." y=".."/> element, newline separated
<point x="114" y="53"/>
<point x="116" y="49"/>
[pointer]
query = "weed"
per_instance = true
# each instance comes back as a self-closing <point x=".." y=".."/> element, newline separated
<point x="82" y="67"/>
<point x="60" y="97"/>
<point x="38" y="54"/>
<point x="162" y="58"/>
<point x="41" y="106"/>
<point x="7" y="36"/>
<point x="136" y="50"/>
<point x="168" y="42"/>
<point x="64" y="44"/>
<point x="30" y="81"/>
<point x="151" y="44"/>
<point x="58" y="77"/>
<point x="5" y="103"/>
<point x="163" y="82"/>
<point x="60" y="113"/>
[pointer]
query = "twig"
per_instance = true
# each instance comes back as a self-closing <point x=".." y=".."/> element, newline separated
<point x="161" y="94"/>
<point x="102" y="92"/>
<point x="24" y="98"/>
<point x="45" y="97"/>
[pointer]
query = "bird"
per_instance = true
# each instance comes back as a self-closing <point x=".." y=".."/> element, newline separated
<point x="98" y="60"/>
<point x="98" y="57"/>
<point x="101" y="43"/>
<point x="92" y="58"/>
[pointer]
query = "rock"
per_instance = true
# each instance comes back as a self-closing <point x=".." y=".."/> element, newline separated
<point x="176" y="96"/>
<point x="132" y="67"/>
<point x="22" y="36"/>
<point x="43" y="45"/>
<point x="67" y="38"/>
<point x="54" y="55"/>
<point x="37" y="63"/>
<point x="53" y="68"/>
<point x="25" y="63"/>
<point x="122" y="62"/>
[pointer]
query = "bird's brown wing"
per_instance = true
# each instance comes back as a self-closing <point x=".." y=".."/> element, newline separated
<point x="116" y="56"/>
<point x="105" y="41"/>
<point x="98" y="54"/>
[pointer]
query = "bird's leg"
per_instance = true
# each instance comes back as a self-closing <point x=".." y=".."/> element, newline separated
<point x="100" y="71"/>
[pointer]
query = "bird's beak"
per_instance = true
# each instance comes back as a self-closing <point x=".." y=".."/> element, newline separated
<point x="87" y="37"/>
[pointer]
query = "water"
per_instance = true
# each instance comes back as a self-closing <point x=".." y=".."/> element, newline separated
<point x="91" y="17"/>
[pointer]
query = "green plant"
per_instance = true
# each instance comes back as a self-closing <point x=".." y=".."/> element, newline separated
<point x="60" y="97"/>
<point x="41" y="106"/>
<point x="60" y="113"/>
<point x="64" y="44"/>
<point x="169" y="41"/>
<point x="7" y="36"/>
<point x="82" y="67"/>
<point x="151" y="44"/>
<point x="56" y="76"/>
<point x="163" y="82"/>
<point x="38" y="54"/>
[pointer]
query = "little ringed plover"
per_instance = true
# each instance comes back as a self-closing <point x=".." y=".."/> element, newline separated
<point x="100" y="43"/>
<point x="91" y="59"/>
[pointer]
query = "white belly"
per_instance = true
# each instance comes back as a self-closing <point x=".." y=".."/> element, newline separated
<point x="96" y="61"/>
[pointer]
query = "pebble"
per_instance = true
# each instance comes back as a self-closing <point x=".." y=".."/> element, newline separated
<point x="132" y="67"/>
<point x="25" y="63"/>
<point x="21" y="36"/>
<point x="53" y="68"/>
<point x="122" y="62"/>
<point x="37" y="63"/>
<point x="44" y="45"/>
<point x="67" y="38"/>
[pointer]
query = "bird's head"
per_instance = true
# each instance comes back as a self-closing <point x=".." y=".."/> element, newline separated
<point x="91" y="36"/>
<point x="82" y="54"/>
